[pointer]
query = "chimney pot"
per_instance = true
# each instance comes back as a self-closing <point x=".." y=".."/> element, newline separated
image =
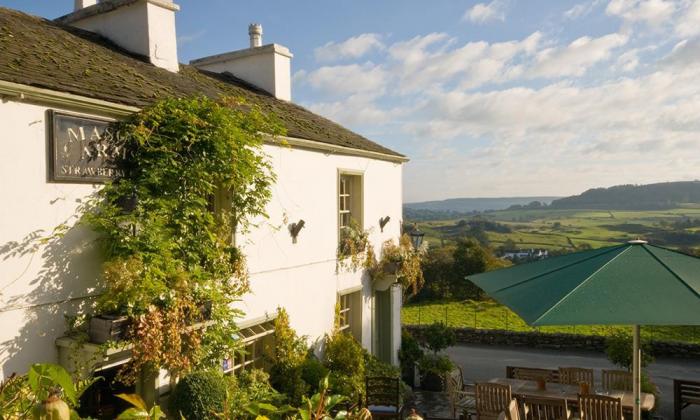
<point x="255" y="31"/>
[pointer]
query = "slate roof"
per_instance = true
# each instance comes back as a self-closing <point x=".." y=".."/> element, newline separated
<point x="43" y="53"/>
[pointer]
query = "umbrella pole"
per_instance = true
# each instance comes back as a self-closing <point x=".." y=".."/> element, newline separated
<point x="636" y="373"/>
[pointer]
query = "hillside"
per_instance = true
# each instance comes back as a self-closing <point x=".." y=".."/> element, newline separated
<point x="660" y="196"/>
<point x="469" y="205"/>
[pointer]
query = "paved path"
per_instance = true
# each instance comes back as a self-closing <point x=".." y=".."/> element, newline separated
<point x="481" y="363"/>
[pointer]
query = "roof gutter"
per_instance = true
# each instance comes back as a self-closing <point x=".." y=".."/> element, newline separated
<point x="32" y="94"/>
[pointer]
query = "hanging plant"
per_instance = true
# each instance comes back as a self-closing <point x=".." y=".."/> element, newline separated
<point x="354" y="249"/>
<point x="401" y="261"/>
<point x="195" y="175"/>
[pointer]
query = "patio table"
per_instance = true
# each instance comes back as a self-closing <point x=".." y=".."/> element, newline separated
<point x="570" y="393"/>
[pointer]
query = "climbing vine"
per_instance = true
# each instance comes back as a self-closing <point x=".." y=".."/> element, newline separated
<point x="195" y="174"/>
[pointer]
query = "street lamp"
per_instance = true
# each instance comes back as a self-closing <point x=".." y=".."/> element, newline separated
<point x="416" y="237"/>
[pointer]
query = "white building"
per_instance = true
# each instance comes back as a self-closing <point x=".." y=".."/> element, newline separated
<point x="107" y="60"/>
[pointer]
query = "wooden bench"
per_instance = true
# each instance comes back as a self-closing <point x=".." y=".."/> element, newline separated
<point x="532" y="374"/>
<point x="685" y="393"/>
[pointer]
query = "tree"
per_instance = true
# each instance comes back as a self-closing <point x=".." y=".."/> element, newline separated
<point x="469" y="258"/>
<point x="438" y="271"/>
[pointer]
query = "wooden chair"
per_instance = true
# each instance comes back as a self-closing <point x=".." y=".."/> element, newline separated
<point x="617" y="380"/>
<point x="491" y="400"/>
<point x="685" y="393"/>
<point x="574" y="376"/>
<point x="599" y="407"/>
<point x="533" y="408"/>
<point x="532" y="374"/>
<point x="462" y="399"/>
<point x="512" y="413"/>
<point x="383" y="396"/>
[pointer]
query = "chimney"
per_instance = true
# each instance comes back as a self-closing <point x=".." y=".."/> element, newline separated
<point x="81" y="4"/>
<point x="144" y="27"/>
<point x="265" y="66"/>
<point x="255" y="32"/>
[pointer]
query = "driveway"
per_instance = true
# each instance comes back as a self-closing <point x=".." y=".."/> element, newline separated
<point x="481" y="363"/>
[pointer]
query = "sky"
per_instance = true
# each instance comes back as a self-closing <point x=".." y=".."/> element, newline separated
<point x="487" y="99"/>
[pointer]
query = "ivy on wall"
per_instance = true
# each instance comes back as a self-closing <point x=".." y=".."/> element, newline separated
<point x="195" y="175"/>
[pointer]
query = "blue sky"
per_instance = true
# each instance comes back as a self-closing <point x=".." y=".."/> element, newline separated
<point x="490" y="98"/>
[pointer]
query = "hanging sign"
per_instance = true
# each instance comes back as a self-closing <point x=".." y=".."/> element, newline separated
<point x="83" y="149"/>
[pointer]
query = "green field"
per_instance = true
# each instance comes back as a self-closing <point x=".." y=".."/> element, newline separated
<point x="491" y="315"/>
<point x="557" y="229"/>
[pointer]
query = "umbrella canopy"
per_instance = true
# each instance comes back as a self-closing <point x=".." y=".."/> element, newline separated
<point x="631" y="284"/>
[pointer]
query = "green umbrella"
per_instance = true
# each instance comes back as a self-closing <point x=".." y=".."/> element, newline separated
<point x="631" y="284"/>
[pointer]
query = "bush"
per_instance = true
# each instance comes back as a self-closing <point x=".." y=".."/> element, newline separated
<point x="438" y="336"/>
<point x="248" y="387"/>
<point x="344" y="358"/>
<point x="313" y="371"/>
<point x="433" y="370"/>
<point x="286" y="359"/>
<point x="199" y="395"/>
<point x="410" y="351"/>
<point x="375" y="367"/>
<point x="618" y="347"/>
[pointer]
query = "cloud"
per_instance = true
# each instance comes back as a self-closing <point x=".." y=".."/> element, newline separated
<point x="576" y="58"/>
<point x="483" y="13"/>
<point x="651" y="12"/>
<point x="354" y="47"/>
<point x="581" y="10"/>
<point x="348" y="79"/>
<point x="688" y="24"/>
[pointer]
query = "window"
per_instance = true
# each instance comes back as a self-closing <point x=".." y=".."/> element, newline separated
<point x="256" y="339"/>
<point x="349" y="200"/>
<point x="350" y="315"/>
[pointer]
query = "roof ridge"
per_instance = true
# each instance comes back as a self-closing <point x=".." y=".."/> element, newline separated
<point x="590" y="276"/>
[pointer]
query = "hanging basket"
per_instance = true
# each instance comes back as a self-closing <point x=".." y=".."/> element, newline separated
<point x="384" y="282"/>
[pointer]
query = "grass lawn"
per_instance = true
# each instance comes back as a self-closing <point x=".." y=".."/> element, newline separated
<point x="492" y="315"/>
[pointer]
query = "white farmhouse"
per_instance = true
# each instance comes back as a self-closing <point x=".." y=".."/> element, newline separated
<point x="106" y="60"/>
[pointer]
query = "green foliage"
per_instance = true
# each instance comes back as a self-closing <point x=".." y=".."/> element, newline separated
<point x="19" y="394"/>
<point x="376" y="367"/>
<point x="469" y="258"/>
<point x="313" y="371"/>
<point x="139" y="411"/>
<point x="410" y="351"/>
<point x="248" y="388"/>
<point x="402" y="261"/>
<point x="353" y="243"/>
<point x="286" y="359"/>
<point x="435" y="364"/>
<point x="199" y="395"/>
<point x="344" y="358"/>
<point x="438" y="336"/>
<point x="618" y="347"/>
<point x="166" y="251"/>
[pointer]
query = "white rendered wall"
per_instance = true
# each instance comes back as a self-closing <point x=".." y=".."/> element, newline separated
<point x="39" y="284"/>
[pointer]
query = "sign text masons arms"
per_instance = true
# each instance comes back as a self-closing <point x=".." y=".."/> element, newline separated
<point x="84" y="149"/>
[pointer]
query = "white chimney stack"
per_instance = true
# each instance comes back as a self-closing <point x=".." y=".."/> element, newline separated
<point x="81" y="4"/>
<point x="265" y="66"/>
<point x="255" y="32"/>
<point x="144" y="27"/>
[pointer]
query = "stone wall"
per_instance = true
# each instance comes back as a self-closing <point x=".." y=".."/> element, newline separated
<point x="533" y="339"/>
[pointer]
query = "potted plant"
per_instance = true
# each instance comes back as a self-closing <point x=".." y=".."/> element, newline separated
<point x="399" y="264"/>
<point x="105" y="328"/>
<point x="435" y="367"/>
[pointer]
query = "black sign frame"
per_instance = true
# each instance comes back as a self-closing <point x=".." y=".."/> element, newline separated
<point x="65" y="167"/>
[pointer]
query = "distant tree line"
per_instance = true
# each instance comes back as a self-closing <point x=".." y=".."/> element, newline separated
<point x="634" y="197"/>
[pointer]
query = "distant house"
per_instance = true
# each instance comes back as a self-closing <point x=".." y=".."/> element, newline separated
<point x="526" y="254"/>
<point x="107" y="60"/>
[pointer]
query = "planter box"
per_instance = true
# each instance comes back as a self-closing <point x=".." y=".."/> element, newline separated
<point x="106" y="328"/>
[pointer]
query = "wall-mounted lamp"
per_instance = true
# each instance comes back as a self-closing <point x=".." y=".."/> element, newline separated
<point x="383" y="221"/>
<point x="295" y="228"/>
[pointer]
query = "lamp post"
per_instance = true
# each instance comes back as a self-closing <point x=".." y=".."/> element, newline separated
<point x="416" y="237"/>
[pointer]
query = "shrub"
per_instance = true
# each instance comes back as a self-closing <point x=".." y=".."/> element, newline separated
<point x="199" y="395"/>
<point x="246" y="388"/>
<point x="435" y="364"/>
<point x="313" y="372"/>
<point x="375" y="367"/>
<point x="286" y="360"/>
<point x="344" y="358"/>
<point x="618" y="347"/>
<point x="438" y="336"/>
<point x="410" y="351"/>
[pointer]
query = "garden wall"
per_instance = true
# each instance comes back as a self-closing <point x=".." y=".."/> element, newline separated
<point x="556" y="341"/>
